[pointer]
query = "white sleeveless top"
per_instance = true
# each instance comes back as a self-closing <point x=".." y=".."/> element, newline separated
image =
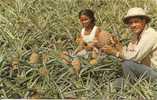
<point x="89" y="38"/>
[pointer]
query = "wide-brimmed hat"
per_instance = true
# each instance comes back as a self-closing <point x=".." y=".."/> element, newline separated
<point x="136" y="12"/>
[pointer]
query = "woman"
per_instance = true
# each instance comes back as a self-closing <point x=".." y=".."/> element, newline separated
<point x="92" y="39"/>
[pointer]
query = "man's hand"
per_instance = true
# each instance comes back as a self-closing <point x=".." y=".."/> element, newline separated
<point x="109" y="50"/>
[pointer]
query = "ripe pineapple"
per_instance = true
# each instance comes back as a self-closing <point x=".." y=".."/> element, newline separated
<point x="45" y="57"/>
<point x="76" y="66"/>
<point x="93" y="61"/>
<point x="35" y="96"/>
<point x="34" y="58"/>
<point x="64" y="56"/>
<point x="43" y="71"/>
<point x="15" y="62"/>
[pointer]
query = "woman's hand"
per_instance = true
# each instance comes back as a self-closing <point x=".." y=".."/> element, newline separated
<point x="92" y="44"/>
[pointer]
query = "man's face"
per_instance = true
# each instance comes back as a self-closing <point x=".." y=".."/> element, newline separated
<point x="136" y="25"/>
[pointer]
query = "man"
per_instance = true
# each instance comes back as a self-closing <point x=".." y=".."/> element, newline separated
<point x="140" y="56"/>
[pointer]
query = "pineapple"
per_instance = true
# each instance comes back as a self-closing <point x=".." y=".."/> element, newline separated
<point x="76" y="66"/>
<point x="64" y="56"/>
<point x="15" y="62"/>
<point x="43" y="71"/>
<point x="34" y="58"/>
<point x="93" y="61"/>
<point x="35" y="96"/>
<point x="45" y="57"/>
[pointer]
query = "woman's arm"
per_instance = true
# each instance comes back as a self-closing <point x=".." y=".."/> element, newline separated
<point x="80" y="45"/>
<point x="112" y="45"/>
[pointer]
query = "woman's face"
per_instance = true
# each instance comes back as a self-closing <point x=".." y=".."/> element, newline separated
<point x="85" y="21"/>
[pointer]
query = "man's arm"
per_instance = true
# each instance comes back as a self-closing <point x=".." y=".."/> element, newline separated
<point x="144" y="47"/>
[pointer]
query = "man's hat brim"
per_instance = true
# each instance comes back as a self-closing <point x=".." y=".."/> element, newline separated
<point x="126" y="19"/>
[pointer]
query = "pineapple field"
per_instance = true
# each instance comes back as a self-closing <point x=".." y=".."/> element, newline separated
<point x="35" y="33"/>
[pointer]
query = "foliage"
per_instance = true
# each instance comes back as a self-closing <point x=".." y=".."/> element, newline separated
<point x="50" y="27"/>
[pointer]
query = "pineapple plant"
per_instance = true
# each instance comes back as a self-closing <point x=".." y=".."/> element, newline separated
<point x="54" y="26"/>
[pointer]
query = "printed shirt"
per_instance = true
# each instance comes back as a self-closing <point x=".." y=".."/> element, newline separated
<point x="146" y="48"/>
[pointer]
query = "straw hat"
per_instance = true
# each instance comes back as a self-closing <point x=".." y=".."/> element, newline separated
<point x="136" y="12"/>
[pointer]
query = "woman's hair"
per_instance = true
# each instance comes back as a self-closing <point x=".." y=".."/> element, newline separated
<point x="89" y="13"/>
